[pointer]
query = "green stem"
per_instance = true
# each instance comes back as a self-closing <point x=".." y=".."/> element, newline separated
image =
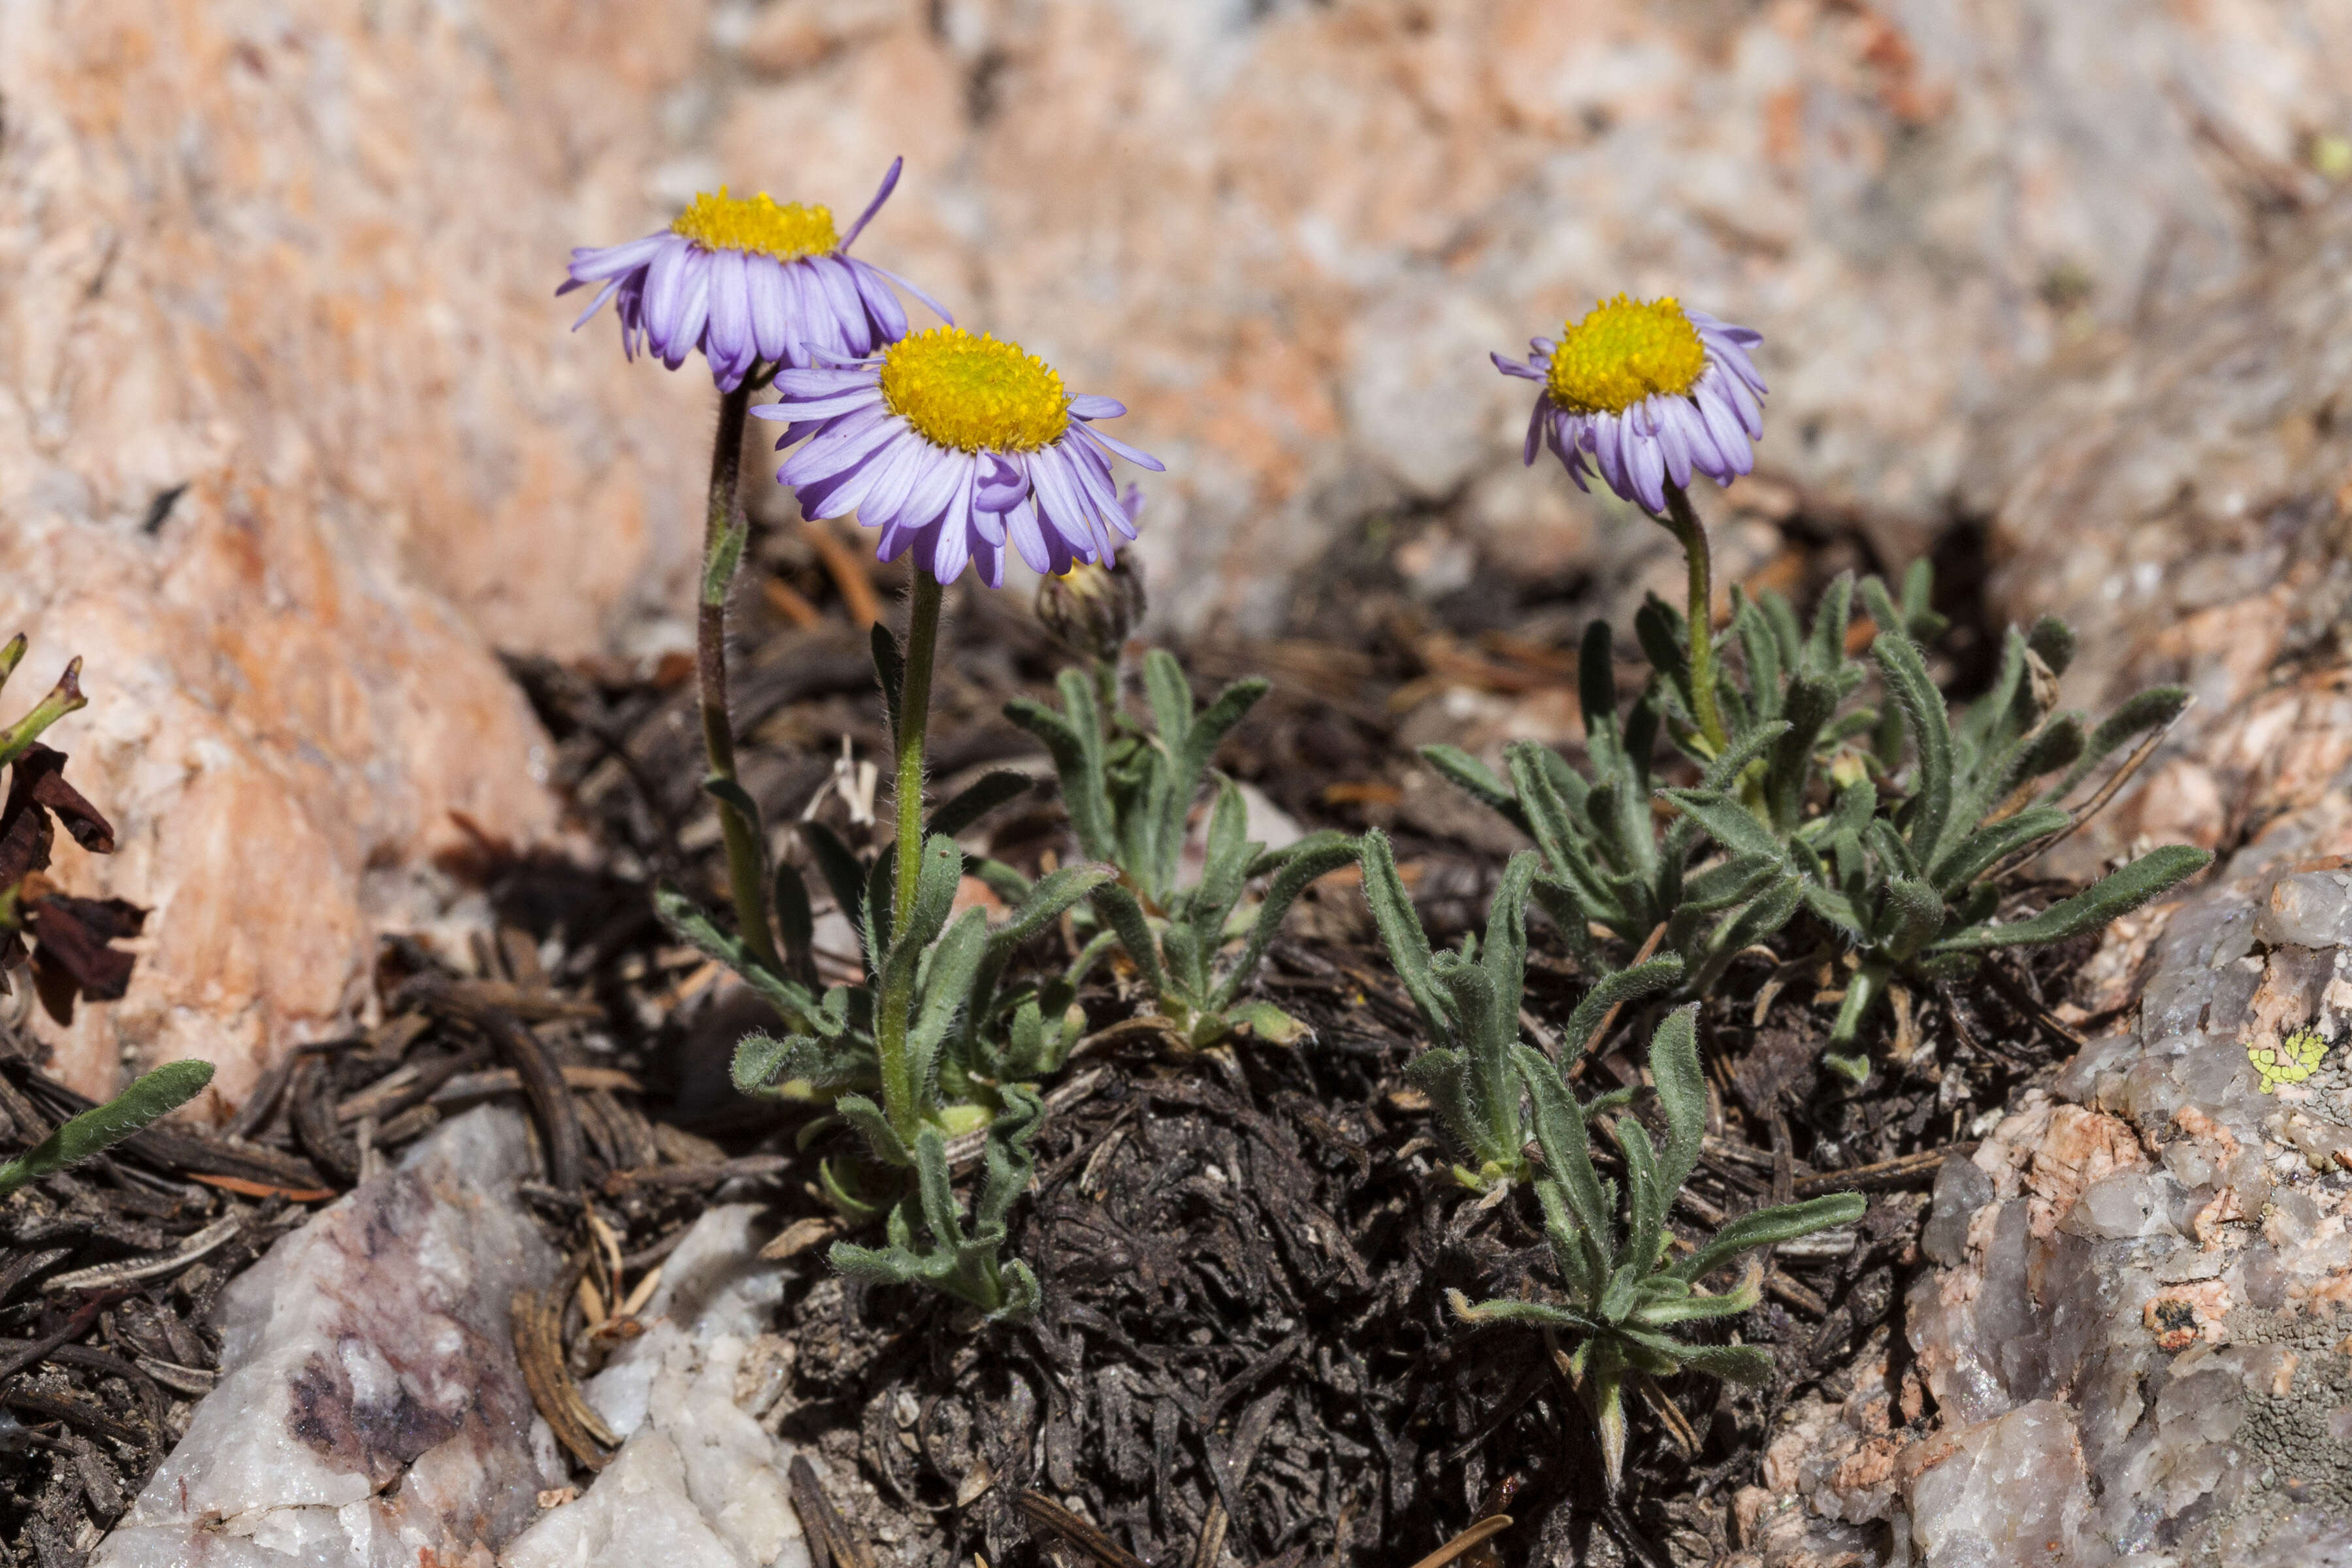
<point x="898" y="1086"/>
<point x="914" y="711"/>
<point x="723" y="533"/>
<point x="1686" y="526"/>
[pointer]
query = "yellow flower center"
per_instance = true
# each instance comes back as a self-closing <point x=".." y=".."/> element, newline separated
<point x="974" y="393"/>
<point x="732" y="223"/>
<point x="1625" y="351"/>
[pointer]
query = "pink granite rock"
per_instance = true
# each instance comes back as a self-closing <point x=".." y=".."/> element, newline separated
<point x="292" y="438"/>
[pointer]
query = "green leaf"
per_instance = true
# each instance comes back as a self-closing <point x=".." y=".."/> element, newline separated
<point x="1596" y="689"/>
<point x="1269" y="1023"/>
<point x="760" y="1061"/>
<point x="1972" y="856"/>
<point x="1689" y="1309"/>
<point x="844" y="876"/>
<point x="1810" y="702"/>
<point x="1766" y="1227"/>
<point x="1905" y="674"/>
<point x="1750" y="1364"/>
<point x="1118" y="910"/>
<point x="1553" y="823"/>
<point x="1646" y="979"/>
<point x="1214" y="722"/>
<point x="1560" y="1134"/>
<point x="1475" y="778"/>
<point x="2052" y="641"/>
<point x="149" y="1099"/>
<point x="1504" y="1310"/>
<point x="1825" y="650"/>
<point x="2149" y="710"/>
<point x="1920" y="623"/>
<point x="2091" y="909"/>
<point x="1056" y="891"/>
<point x="1646" y="1204"/>
<point x="686" y="922"/>
<point x="1659" y="629"/>
<point x="1076" y="744"/>
<point x="977" y="799"/>
<point x="1400" y="927"/>
<point x="1728" y="822"/>
<point x="1443" y="1073"/>
<point x="946" y="985"/>
<point x="1680" y="1086"/>
<point x="1007" y="1164"/>
<point x="1913" y="916"/>
<point x="866" y="1117"/>
<point x="795" y="922"/>
<point x="1299" y="873"/>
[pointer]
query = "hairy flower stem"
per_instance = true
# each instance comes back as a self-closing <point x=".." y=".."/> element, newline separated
<point x="723" y="533"/>
<point x="1685" y="526"/>
<point x="914" y="711"/>
<point x="898" y="1088"/>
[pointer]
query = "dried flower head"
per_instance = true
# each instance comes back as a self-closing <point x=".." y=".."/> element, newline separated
<point x="954" y="445"/>
<point x="1092" y="610"/>
<point x="1646" y="392"/>
<point x="747" y="280"/>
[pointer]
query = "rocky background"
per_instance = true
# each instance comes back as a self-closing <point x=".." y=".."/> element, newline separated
<point x="293" y="441"/>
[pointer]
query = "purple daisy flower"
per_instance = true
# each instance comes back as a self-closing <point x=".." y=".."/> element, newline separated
<point x="955" y="445"/>
<point x="746" y="281"/>
<point x="1650" y="393"/>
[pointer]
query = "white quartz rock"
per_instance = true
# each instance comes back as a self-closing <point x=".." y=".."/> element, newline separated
<point x="369" y="1408"/>
<point x="2006" y="1492"/>
<point x="696" y="1480"/>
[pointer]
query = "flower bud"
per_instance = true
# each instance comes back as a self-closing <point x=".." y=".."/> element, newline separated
<point x="1092" y="610"/>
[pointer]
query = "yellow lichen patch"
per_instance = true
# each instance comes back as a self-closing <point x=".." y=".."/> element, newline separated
<point x="789" y="232"/>
<point x="1625" y="351"/>
<point x="973" y="393"/>
<point x="2291" y="1062"/>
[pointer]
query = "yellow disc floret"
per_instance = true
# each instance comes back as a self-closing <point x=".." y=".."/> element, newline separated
<point x="734" y="223"/>
<point x="974" y="393"/>
<point x="1625" y="351"/>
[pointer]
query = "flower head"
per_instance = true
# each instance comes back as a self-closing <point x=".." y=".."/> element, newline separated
<point x="954" y="446"/>
<point x="746" y="280"/>
<point x="1647" y="392"/>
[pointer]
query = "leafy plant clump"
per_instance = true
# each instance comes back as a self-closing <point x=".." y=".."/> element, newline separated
<point x="1469" y="1001"/>
<point x="1624" y="1294"/>
<point x="1129" y="790"/>
<point x="926" y="1046"/>
<point x="1808" y="803"/>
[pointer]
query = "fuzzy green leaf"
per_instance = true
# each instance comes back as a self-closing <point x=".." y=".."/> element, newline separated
<point x="1645" y="979"/>
<point x="1766" y="1227"/>
<point x="977" y="799"/>
<point x="149" y="1099"/>
<point x="2094" y="907"/>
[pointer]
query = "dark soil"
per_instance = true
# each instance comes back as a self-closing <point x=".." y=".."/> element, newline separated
<point x="1244" y="1252"/>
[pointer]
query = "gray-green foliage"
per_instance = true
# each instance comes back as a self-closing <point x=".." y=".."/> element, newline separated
<point x="1904" y="877"/>
<point x="1129" y="791"/>
<point x="1469" y="1003"/>
<point x="930" y="1042"/>
<point x="145" y="1102"/>
<point x="926" y="1238"/>
<point x="1624" y="1295"/>
<point x="1808" y="805"/>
